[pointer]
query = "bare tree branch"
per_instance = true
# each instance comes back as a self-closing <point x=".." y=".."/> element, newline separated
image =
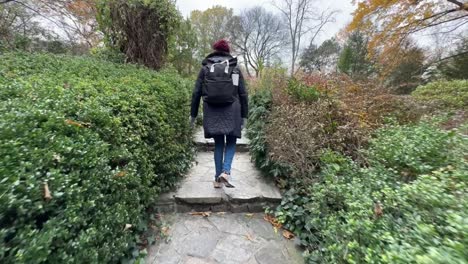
<point x="453" y="56"/>
<point x="6" y="1"/>
<point x="302" y="20"/>
<point x="461" y="5"/>
<point x="260" y="35"/>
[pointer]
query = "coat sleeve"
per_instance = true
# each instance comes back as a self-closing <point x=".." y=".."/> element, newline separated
<point x="243" y="97"/>
<point x="197" y="93"/>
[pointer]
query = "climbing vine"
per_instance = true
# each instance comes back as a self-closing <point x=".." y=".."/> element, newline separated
<point x="141" y="29"/>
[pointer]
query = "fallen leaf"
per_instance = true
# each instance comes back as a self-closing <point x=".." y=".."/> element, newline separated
<point x="249" y="215"/>
<point x="121" y="174"/>
<point x="78" y="124"/>
<point x="249" y="237"/>
<point x="205" y="214"/>
<point x="221" y="213"/>
<point x="47" y="194"/>
<point x="273" y="221"/>
<point x="287" y="234"/>
<point x="378" y="211"/>
<point x="165" y="230"/>
<point x="74" y="123"/>
<point x="196" y="213"/>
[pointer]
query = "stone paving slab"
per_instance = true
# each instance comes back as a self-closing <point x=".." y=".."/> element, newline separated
<point x="223" y="238"/>
<point x="252" y="189"/>
<point x="208" y="144"/>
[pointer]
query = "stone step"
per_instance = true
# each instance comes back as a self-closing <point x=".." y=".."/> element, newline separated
<point x="253" y="192"/>
<point x="204" y="144"/>
<point x="222" y="239"/>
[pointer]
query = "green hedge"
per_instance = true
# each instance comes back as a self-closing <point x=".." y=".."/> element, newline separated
<point x="409" y="205"/>
<point x="447" y="94"/>
<point x="259" y="114"/>
<point x="403" y="201"/>
<point x="106" y="138"/>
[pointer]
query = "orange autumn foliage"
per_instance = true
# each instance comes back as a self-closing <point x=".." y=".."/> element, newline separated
<point x="84" y="9"/>
<point x="389" y="23"/>
<point x="76" y="17"/>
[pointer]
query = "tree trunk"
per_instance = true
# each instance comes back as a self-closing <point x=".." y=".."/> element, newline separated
<point x="293" y="59"/>
<point x="246" y="66"/>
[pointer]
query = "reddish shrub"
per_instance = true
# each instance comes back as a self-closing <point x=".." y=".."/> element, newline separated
<point x="341" y="119"/>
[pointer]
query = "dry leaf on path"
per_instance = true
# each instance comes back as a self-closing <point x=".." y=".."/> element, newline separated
<point x="287" y="234"/>
<point x="165" y="230"/>
<point x="205" y="214"/>
<point x="249" y="237"/>
<point x="249" y="215"/>
<point x="273" y="221"/>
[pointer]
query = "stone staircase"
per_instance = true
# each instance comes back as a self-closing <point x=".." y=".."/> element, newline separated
<point x="204" y="225"/>
<point x="253" y="192"/>
<point x="222" y="239"/>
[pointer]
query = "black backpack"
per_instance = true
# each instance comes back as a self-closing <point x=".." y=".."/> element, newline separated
<point x="218" y="86"/>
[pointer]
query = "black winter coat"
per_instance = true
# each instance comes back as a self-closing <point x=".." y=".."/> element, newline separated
<point x="220" y="120"/>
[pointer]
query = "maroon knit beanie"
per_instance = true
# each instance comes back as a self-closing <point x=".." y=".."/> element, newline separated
<point x="221" y="45"/>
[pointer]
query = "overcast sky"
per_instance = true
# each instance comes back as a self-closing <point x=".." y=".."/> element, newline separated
<point x="344" y="17"/>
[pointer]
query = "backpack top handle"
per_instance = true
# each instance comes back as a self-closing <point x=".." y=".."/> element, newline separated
<point x="226" y="69"/>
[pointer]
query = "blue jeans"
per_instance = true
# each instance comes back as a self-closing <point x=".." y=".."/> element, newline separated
<point x="226" y="149"/>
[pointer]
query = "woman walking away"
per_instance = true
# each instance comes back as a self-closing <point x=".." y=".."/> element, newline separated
<point x="225" y="107"/>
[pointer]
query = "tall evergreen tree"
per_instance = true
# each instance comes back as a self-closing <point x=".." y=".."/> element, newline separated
<point x="354" y="59"/>
<point x="323" y="58"/>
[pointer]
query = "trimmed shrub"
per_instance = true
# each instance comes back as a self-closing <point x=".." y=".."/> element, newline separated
<point x="336" y="114"/>
<point x="444" y="94"/>
<point x="310" y="129"/>
<point x="302" y="92"/>
<point x="108" y="54"/>
<point x="355" y="194"/>
<point x="411" y="150"/>
<point x="371" y="105"/>
<point x="262" y="96"/>
<point x="259" y="114"/>
<point x="105" y="139"/>
<point x="374" y="215"/>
